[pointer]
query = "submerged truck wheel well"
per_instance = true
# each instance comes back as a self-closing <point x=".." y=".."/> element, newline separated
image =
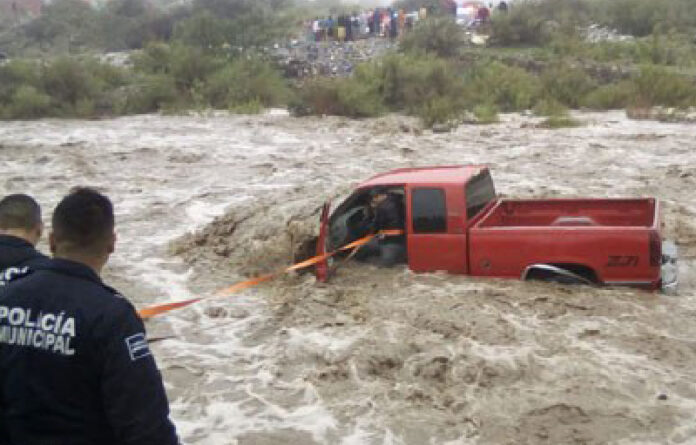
<point x="561" y="273"/>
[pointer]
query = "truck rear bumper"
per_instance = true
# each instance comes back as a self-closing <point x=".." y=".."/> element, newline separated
<point x="669" y="270"/>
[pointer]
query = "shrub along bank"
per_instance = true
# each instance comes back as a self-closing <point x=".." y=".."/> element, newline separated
<point x="438" y="91"/>
<point x="431" y="78"/>
<point x="178" y="78"/>
<point x="195" y="67"/>
<point x="163" y="78"/>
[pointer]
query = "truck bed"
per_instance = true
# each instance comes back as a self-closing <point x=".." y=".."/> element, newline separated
<point x="616" y="241"/>
<point x="571" y="213"/>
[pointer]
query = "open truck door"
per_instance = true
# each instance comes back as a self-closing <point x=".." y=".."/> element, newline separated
<point x="321" y="269"/>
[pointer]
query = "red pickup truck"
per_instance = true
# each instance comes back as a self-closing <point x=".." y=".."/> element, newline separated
<point x="454" y="222"/>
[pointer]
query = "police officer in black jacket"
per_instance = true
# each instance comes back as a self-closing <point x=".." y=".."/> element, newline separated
<point x="20" y="231"/>
<point x="75" y="367"/>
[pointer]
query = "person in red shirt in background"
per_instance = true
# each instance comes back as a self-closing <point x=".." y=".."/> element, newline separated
<point x="483" y="15"/>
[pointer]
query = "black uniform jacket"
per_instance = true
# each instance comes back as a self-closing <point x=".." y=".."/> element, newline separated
<point x="75" y="367"/>
<point x="15" y="254"/>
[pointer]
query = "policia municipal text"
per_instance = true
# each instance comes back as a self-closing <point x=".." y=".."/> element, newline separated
<point x="75" y="367"/>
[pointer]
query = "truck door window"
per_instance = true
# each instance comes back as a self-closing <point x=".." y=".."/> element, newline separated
<point x="479" y="192"/>
<point x="429" y="210"/>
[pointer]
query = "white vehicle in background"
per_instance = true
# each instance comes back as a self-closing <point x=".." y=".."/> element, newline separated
<point x="467" y="12"/>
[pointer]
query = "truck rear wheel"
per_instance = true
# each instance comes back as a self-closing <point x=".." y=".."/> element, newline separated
<point x="561" y="273"/>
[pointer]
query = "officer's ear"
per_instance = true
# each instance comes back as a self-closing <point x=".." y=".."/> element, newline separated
<point x="112" y="244"/>
<point x="52" y="243"/>
<point x="38" y="231"/>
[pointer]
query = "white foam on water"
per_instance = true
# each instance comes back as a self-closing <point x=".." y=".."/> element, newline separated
<point x="358" y="436"/>
<point x="200" y="213"/>
<point x="320" y="341"/>
<point x="278" y="112"/>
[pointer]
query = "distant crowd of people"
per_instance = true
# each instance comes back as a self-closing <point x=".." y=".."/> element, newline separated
<point x="393" y="23"/>
<point x="378" y="22"/>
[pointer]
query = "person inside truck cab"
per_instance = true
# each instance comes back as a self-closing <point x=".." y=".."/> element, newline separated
<point x="388" y="214"/>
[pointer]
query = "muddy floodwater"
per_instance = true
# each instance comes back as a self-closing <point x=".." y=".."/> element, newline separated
<point x="374" y="356"/>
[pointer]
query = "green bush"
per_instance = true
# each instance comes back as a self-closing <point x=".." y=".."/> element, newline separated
<point x="535" y="22"/>
<point x="423" y="86"/>
<point x="27" y="103"/>
<point x="556" y="113"/>
<point x="154" y="59"/>
<point x="203" y="30"/>
<point x="84" y="108"/>
<point x="253" y="106"/>
<point x="14" y="75"/>
<point x="438" y="110"/>
<point x="318" y="96"/>
<point x="486" y="114"/>
<point x="521" y="26"/>
<point x="567" y="84"/>
<point x="239" y="23"/>
<point x="77" y="86"/>
<point x="639" y="17"/>
<point x="659" y="86"/>
<point x="71" y="26"/>
<point x="550" y="107"/>
<point x="187" y="67"/>
<point x="509" y="88"/>
<point x="246" y="81"/>
<point x="359" y="99"/>
<point x="150" y="93"/>
<point x="184" y="63"/>
<point x="439" y="35"/>
<point x="66" y="81"/>
<point x="613" y="96"/>
<point x="191" y="65"/>
<point x="63" y="87"/>
<point x="408" y="81"/>
<point x="340" y="97"/>
<point x="163" y="78"/>
<point x="554" y="122"/>
<point x="207" y="79"/>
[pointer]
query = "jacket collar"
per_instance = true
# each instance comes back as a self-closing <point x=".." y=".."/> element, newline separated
<point x="14" y="241"/>
<point x="72" y="268"/>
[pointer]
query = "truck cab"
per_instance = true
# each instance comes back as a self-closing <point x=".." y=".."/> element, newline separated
<point x="454" y="222"/>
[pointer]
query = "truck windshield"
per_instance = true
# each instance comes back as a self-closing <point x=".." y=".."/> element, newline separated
<point x="479" y="192"/>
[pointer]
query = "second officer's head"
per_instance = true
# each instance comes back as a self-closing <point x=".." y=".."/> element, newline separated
<point x="83" y="228"/>
<point x="20" y="216"/>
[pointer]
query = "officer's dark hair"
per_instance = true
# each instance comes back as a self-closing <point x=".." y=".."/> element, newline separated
<point x="19" y="211"/>
<point x="83" y="221"/>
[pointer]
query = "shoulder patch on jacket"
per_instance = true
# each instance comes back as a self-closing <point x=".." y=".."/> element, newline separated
<point x="137" y="346"/>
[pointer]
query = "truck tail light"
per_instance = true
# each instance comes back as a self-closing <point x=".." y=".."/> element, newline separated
<point x="655" y="249"/>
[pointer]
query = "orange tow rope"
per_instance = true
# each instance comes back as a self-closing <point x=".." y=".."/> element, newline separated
<point x="152" y="311"/>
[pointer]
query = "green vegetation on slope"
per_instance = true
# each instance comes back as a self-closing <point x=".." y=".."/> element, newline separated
<point x="193" y="62"/>
<point x="164" y="78"/>
<point x="72" y="26"/>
